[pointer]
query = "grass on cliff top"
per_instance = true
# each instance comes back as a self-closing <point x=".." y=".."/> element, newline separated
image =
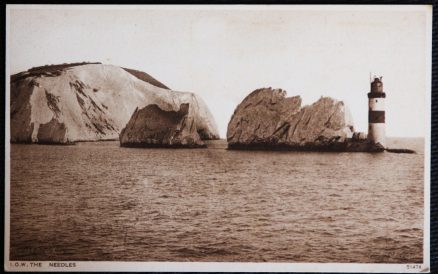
<point x="146" y="77"/>
<point x="55" y="70"/>
<point x="47" y="70"/>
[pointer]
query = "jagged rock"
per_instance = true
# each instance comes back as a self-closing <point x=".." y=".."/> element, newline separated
<point x="89" y="102"/>
<point x="153" y="126"/>
<point x="266" y="119"/>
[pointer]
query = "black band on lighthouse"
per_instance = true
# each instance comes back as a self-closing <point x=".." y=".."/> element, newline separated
<point x="376" y="95"/>
<point x="376" y="116"/>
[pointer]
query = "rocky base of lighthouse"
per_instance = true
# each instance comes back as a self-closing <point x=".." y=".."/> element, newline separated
<point x="352" y="145"/>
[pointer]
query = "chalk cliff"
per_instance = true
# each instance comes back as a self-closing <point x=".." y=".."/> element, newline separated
<point x="267" y="119"/>
<point x="90" y="101"/>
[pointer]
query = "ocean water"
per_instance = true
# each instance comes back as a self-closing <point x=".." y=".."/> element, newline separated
<point x="97" y="201"/>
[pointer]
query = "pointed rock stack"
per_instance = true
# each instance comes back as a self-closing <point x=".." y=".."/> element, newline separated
<point x="266" y="119"/>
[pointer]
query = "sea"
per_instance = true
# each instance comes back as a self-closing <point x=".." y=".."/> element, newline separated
<point x="97" y="201"/>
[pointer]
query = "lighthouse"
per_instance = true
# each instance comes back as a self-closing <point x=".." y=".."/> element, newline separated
<point x="376" y="112"/>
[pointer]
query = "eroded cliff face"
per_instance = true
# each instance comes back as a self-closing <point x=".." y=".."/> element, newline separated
<point x="267" y="119"/>
<point x="89" y="102"/>
<point x="153" y="126"/>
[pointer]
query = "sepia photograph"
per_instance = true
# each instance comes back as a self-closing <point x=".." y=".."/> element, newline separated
<point x="218" y="138"/>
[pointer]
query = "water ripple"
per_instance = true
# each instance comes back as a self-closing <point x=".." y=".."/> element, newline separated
<point x="97" y="201"/>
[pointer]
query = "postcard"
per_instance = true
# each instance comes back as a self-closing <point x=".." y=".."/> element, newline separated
<point x="218" y="138"/>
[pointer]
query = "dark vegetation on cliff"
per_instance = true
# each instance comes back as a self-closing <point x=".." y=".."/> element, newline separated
<point x="47" y="70"/>
<point x="56" y="70"/>
<point x="146" y="77"/>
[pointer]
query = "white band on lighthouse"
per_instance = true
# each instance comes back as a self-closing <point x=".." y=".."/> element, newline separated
<point x="377" y="104"/>
<point x="376" y="133"/>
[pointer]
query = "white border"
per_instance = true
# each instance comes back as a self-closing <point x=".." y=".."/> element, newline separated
<point x="229" y="7"/>
<point x="226" y="266"/>
<point x="222" y="267"/>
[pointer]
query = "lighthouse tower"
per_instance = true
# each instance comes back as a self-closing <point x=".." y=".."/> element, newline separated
<point x="376" y="112"/>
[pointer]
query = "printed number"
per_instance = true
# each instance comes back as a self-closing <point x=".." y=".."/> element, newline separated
<point x="413" y="266"/>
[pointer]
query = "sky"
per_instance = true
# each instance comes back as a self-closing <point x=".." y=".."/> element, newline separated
<point x="223" y="53"/>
